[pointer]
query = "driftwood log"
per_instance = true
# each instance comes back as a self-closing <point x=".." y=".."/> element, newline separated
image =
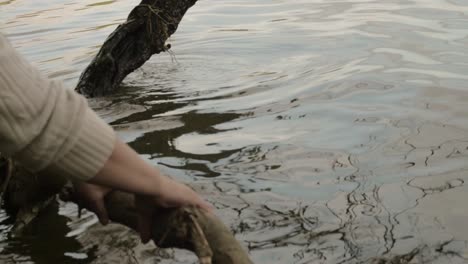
<point x="145" y="33"/>
<point x="24" y="194"/>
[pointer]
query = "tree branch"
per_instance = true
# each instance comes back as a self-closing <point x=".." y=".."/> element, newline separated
<point x="145" y="33"/>
<point x="187" y="228"/>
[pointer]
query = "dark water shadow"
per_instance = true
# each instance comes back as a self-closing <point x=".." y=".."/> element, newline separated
<point x="160" y="143"/>
<point x="45" y="241"/>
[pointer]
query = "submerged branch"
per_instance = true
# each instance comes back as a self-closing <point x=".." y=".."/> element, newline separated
<point x="145" y="33"/>
<point x="188" y="228"/>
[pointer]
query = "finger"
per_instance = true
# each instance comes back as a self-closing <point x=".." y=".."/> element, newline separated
<point x="99" y="209"/>
<point x="198" y="201"/>
<point x="204" y="205"/>
<point x="145" y="209"/>
<point x="207" y="206"/>
<point x="144" y="227"/>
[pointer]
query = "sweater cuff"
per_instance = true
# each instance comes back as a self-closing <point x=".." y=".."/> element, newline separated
<point x="91" y="151"/>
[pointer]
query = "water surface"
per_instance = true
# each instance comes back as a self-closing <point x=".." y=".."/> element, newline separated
<point x="323" y="131"/>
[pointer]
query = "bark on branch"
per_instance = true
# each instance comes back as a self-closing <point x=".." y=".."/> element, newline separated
<point x="145" y="33"/>
<point x="188" y="228"/>
<point x="24" y="194"/>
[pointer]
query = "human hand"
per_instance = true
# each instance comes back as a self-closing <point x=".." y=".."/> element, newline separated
<point x="171" y="195"/>
<point x="91" y="196"/>
<point x="125" y="170"/>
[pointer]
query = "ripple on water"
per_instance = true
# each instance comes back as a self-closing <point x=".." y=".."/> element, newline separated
<point x="323" y="131"/>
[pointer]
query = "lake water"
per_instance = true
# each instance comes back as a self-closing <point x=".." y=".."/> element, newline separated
<point x="323" y="131"/>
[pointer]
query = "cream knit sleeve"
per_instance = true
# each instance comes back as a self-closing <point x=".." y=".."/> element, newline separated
<point x="46" y="126"/>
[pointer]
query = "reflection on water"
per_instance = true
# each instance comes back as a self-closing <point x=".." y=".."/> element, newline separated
<point x="322" y="131"/>
<point x="46" y="242"/>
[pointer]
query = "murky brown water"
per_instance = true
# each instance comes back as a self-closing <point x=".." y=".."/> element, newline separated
<point x="323" y="131"/>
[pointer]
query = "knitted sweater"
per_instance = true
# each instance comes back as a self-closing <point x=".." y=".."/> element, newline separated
<point x="46" y="126"/>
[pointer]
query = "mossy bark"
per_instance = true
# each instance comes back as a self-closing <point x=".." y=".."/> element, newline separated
<point x="26" y="194"/>
<point x="132" y="43"/>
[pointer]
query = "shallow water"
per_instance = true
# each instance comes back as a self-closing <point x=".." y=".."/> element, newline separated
<point x="323" y="131"/>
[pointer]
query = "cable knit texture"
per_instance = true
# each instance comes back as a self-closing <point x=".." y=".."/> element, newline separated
<point x="46" y="126"/>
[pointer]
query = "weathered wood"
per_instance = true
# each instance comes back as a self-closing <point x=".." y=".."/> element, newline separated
<point x="145" y="33"/>
<point x="187" y="228"/>
<point x="25" y="194"/>
<point x="22" y="188"/>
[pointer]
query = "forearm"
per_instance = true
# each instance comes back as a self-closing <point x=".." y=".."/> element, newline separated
<point x="46" y="126"/>
<point x="52" y="129"/>
<point x="127" y="171"/>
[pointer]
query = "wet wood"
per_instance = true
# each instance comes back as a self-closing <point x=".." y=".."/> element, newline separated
<point x="187" y="228"/>
<point x="145" y="33"/>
